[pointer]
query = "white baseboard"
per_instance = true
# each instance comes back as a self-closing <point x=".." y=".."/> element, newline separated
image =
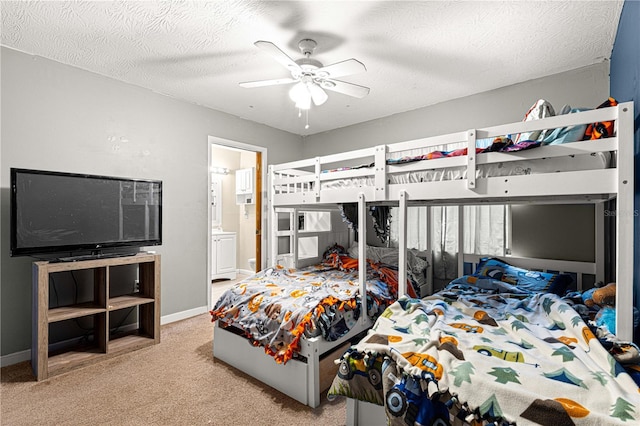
<point x="246" y="271"/>
<point x="25" y="355"/>
<point x="167" y="319"/>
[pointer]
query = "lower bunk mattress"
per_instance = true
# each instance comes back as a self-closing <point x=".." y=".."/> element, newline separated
<point x="488" y="356"/>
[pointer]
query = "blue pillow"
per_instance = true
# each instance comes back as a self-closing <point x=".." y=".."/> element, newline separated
<point x="533" y="281"/>
<point x="566" y="134"/>
<point x="485" y="283"/>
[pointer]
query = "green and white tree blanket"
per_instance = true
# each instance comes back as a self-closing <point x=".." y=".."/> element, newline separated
<point x="525" y="359"/>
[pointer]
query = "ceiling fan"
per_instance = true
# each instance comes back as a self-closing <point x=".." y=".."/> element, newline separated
<point x="310" y="76"/>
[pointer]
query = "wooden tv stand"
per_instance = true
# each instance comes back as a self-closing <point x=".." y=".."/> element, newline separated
<point x="103" y="342"/>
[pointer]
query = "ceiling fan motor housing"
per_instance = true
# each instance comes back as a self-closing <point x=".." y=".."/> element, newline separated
<point x="307" y="46"/>
<point x="309" y="64"/>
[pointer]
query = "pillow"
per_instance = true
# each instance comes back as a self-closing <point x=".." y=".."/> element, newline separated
<point x="416" y="263"/>
<point x="389" y="256"/>
<point x="566" y="134"/>
<point x="534" y="281"/>
<point x="485" y="283"/>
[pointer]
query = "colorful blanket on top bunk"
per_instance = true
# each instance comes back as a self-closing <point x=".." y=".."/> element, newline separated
<point x="520" y="142"/>
<point x="499" y="144"/>
<point x="484" y="355"/>
<point x="278" y="305"/>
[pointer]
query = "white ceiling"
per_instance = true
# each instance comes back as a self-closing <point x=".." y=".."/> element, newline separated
<point x="417" y="53"/>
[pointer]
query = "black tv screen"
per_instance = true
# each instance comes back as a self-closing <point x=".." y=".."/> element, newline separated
<point x="55" y="212"/>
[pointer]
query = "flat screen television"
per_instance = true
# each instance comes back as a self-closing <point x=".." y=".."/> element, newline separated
<point x="60" y="213"/>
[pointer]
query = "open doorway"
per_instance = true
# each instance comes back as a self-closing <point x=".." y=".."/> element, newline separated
<point x="237" y="216"/>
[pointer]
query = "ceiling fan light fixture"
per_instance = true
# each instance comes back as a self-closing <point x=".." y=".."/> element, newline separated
<point x="318" y="95"/>
<point x="300" y="95"/>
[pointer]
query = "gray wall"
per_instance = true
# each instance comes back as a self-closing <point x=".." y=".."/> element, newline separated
<point x="57" y="117"/>
<point x="554" y="232"/>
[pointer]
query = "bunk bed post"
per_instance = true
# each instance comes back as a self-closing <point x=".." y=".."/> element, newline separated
<point x="362" y="256"/>
<point x="624" y="222"/>
<point x="471" y="159"/>
<point x="507" y="230"/>
<point x="293" y="242"/>
<point x="599" y="245"/>
<point x="402" y="244"/>
<point x="429" y="254"/>
<point x="272" y="219"/>
<point x="460" y="241"/>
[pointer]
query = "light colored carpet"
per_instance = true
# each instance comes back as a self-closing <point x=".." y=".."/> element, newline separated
<point x="174" y="383"/>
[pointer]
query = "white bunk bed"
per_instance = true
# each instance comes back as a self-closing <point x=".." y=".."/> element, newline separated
<point x="581" y="172"/>
<point x="591" y="171"/>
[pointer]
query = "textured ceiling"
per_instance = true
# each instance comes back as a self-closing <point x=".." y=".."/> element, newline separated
<point x="417" y="53"/>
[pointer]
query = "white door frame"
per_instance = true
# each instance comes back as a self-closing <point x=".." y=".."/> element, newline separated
<point x="213" y="140"/>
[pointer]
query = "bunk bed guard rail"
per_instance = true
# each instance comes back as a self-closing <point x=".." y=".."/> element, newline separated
<point x="301" y="182"/>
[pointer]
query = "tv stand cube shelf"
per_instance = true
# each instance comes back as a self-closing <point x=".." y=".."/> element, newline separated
<point x="104" y="339"/>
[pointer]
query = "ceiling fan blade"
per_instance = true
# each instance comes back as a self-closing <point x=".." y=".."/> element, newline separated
<point x="345" y="88"/>
<point x="318" y="95"/>
<point x="262" y="83"/>
<point x="348" y="67"/>
<point x="277" y="54"/>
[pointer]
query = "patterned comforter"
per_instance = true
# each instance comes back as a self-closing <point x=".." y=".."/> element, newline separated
<point x="277" y="306"/>
<point x="525" y="359"/>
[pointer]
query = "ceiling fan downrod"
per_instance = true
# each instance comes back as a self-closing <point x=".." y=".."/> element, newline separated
<point x="307" y="46"/>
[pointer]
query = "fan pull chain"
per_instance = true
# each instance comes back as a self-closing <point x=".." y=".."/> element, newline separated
<point x="306" y="126"/>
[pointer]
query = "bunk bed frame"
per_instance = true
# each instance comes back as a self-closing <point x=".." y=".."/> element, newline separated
<point x="304" y="183"/>
<point x="302" y="378"/>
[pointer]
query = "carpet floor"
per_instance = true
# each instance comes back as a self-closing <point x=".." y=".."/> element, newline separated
<point x="174" y="383"/>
